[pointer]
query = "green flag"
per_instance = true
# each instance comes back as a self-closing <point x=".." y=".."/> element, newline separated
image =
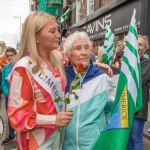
<point x="65" y="15"/>
<point x="128" y="98"/>
<point x="108" y="46"/>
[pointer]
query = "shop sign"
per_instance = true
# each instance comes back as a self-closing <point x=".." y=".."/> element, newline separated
<point x="118" y="20"/>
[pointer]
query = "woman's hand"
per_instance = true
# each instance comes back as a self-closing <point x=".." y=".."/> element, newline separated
<point x="63" y="118"/>
<point x="106" y="68"/>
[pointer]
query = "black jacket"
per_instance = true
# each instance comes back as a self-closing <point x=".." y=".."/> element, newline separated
<point x="145" y="68"/>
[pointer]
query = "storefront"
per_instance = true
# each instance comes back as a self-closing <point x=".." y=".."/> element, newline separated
<point x="117" y="15"/>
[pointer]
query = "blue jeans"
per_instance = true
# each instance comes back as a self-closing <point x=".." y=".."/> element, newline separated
<point x="136" y="135"/>
<point x="11" y="130"/>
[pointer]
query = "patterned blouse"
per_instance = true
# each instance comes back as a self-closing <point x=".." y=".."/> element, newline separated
<point x="31" y="110"/>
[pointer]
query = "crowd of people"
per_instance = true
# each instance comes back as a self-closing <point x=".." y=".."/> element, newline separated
<point x="47" y="92"/>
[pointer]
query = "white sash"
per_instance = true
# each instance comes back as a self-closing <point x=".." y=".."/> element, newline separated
<point x="45" y="78"/>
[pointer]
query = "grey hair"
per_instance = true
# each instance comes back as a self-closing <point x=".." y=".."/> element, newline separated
<point x="73" y="37"/>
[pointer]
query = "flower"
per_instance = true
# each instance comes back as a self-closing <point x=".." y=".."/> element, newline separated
<point x="73" y="86"/>
<point x="80" y="68"/>
<point x="30" y="62"/>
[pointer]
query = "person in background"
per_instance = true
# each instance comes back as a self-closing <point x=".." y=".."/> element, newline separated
<point x="102" y="65"/>
<point x="92" y="55"/>
<point x="136" y="135"/>
<point x="100" y="54"/>
<point x="37" y="79"/>
<point x="91" y="108"/>
<point x="3" y="61"/>
<point x="119" y="47"/>
<point x="117" y="62"/>
<point x="10" y="54"/>
<point x="94" y="50"/>
<point x="0" y="82"/>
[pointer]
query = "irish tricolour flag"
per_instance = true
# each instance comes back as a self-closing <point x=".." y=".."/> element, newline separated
<point x="128" y="98"/>
<point x="108" y="46"/>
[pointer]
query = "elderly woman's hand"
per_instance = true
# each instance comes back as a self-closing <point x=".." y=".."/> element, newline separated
<point x="106" y="68"/>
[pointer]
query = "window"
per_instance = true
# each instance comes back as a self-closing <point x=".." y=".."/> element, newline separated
<point x="64" y="3"/>
<point x="90" y="7"/>
<point x="78" y="10"/>
<point x="33" y="5"/>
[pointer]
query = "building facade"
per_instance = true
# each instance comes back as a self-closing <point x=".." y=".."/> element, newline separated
<point x="93" y="16"/>
<point x="33" y="4"/>
<point x="2" y="47"/>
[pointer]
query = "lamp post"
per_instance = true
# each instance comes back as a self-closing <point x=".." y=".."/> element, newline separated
<point x="19" y="17"/>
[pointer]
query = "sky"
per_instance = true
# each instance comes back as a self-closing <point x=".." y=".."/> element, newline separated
<point x="11" y="13"/>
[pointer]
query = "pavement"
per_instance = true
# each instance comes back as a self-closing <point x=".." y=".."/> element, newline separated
<point x="146" y="133"/>
<point x="3" y="127"/>
<point x="12" y="145"/>
<point x="147" y="125"/>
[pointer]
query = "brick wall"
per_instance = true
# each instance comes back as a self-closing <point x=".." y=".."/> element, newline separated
<point x="97" y="5"/>
<point x="104" y="2"/>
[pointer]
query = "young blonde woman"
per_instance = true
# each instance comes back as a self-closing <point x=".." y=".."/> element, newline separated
<point x="36" y="81"/>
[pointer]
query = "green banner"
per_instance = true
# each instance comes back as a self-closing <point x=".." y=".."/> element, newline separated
<point x="53" y="7"/>
<point x="42" y="5"/>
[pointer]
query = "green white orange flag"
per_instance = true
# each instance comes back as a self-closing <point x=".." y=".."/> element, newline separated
<point x="108" y="46"/>
<point x="128" y="98"/>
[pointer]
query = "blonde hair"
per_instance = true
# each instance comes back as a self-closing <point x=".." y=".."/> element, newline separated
<point x="145" y="38"/>
<point x="32" y="25"/>
<point x="73" y="37"/>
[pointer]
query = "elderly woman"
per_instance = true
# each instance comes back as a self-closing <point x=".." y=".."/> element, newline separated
<point x="90" y="104"/>
<point x="136" y="136"/>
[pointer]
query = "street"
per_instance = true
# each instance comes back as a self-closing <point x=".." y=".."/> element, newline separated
<point x="11" y="146"/>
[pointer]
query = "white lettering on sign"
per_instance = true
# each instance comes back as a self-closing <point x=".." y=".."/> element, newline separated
<point x="98" y="25"/>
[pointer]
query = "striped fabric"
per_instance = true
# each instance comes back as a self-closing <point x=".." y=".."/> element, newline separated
<point x="108" y="46"/>
<point x="128" y="97"/>
<point x="131" y="68"/>
<point x="31" y="110"/>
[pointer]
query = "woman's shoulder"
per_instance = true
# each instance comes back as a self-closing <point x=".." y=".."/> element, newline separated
<point x="145" y="62"/>
<point x="24" y="61"/>
<point x="21" y="66"/>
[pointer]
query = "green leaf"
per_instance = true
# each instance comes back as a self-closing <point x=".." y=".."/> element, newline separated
<point x="57" y="100"/>
<point x="67" y="100"/>
<point x="76" y="97"/>
<point x="75" y="82"/>
<point x="77" y="87"/>
<point x="70" y="91"/>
